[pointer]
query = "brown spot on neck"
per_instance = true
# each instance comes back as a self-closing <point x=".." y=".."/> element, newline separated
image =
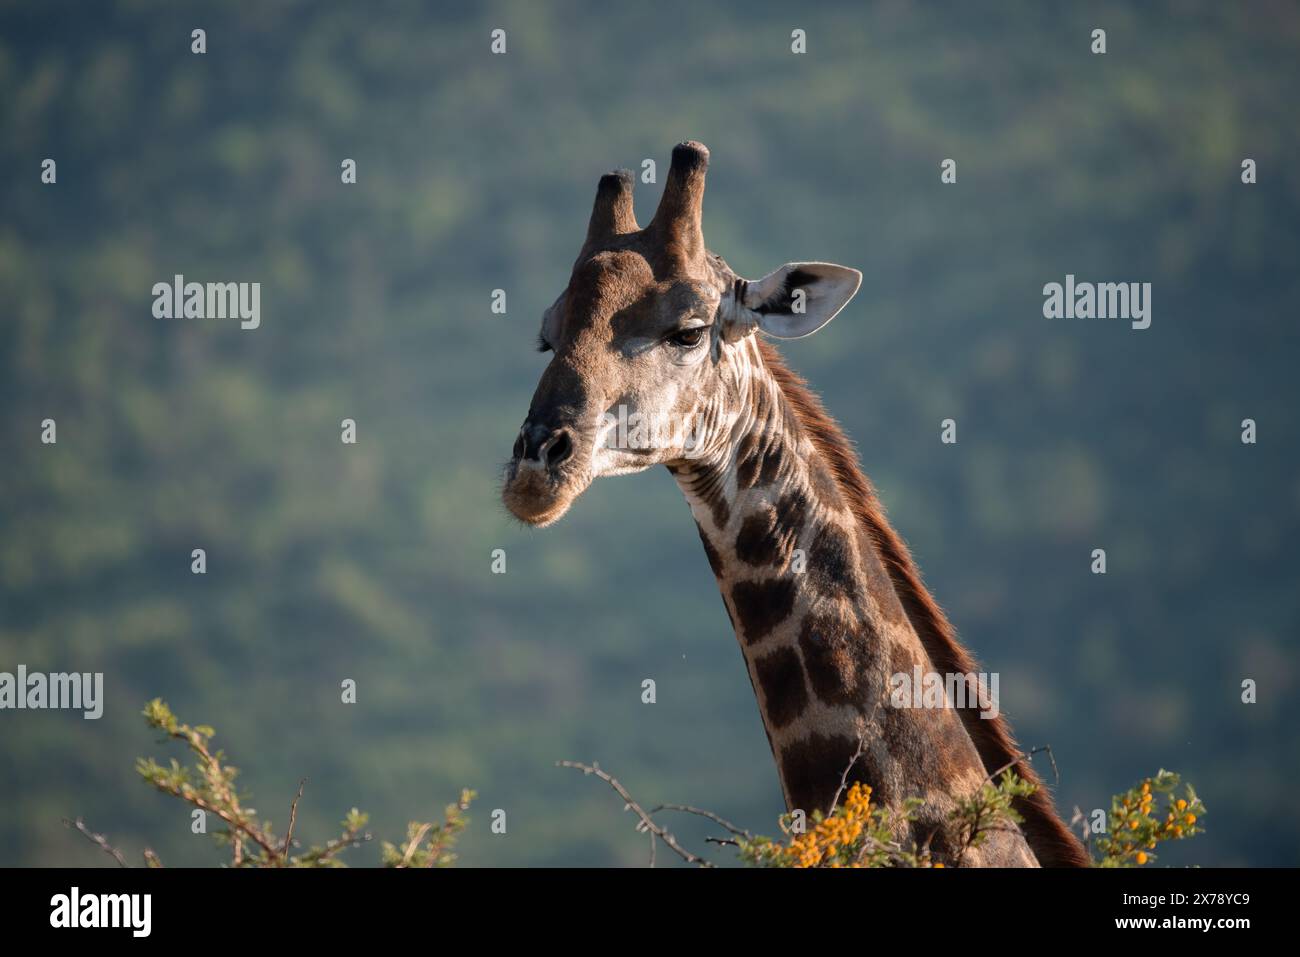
<point x="832" y="566"/>
<point x="780" y="675"/>
<point x="762" y="605"/>
<point x="840" y="655"/>
<point x="768" y="534"/>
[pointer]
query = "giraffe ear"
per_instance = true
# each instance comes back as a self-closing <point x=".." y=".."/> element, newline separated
<point x="550" y="321"/>
<point x="797" y="299"/>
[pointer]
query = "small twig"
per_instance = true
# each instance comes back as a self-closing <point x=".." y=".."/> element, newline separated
<point x="647" y="822"/>
<point x="844" y="778"/>
<point x="414" y="843"/>
<point x="687" y="809"/>
<point x="335" y="845"/>
<point x="1029" y="756"/>
<point x="722" y="841"/>
<point x="151" y="859"/>
<point x="989" y="778"/>
<point x="1056" y="772"/>
<point x="236" y="824"/>
<point x="99" y="839"/>
<point x="293" y="816"/>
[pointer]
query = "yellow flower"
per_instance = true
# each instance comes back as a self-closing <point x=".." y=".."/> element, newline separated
<point x="1142" y="857"/>
<point x="834" y="838"/>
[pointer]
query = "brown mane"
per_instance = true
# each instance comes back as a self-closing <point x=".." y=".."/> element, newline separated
<point x="1050" y="840"/>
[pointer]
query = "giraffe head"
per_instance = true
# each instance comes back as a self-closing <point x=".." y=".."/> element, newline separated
<point x="650" y="362"/>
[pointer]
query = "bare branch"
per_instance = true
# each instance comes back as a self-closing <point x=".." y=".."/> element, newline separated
<point x="1029" y="755"/>
<point x="687" y="809"/>
<point x="98" y="839"/>
<point x="646" y="821"/>
<point x="236" y="824"/>
<point x="844" y="778"/>
<point x="293" y="816"/>
<point x="335" y="845"/>
<point x="1056" y="772"/>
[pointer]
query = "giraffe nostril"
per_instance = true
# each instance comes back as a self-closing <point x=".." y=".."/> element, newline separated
<point x="532" y="440"/>
<point x="558" y="449"/>
<point x="544" y="445"/>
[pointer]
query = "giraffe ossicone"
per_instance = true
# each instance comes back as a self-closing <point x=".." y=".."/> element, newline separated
<point x="825" y="600"/>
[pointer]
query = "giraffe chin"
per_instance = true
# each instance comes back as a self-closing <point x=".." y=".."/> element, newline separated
<point x="536" y="499"/>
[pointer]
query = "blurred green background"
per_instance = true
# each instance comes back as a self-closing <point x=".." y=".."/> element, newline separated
<point x="477" y="172"/>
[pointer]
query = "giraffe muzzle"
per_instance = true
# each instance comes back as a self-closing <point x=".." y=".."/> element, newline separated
<point x="543" y="477"/>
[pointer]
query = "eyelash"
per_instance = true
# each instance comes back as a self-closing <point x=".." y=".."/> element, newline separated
<point x="698" y="331"/>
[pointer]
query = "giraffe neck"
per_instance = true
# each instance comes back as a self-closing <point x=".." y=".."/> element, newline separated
<point x="821" y="627"/>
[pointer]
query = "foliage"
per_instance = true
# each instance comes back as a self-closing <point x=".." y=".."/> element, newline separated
<point x="988" y="809"/>
<point x="429" y="845"/>
<point x="1134" y="830"/>
<point x="856" y="834"/>
<point x="210" y="786"/>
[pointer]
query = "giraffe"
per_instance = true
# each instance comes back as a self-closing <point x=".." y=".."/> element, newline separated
<point x="657" y="361"/>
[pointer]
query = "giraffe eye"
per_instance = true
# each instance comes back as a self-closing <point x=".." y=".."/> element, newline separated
<point x="688" y="337"/>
